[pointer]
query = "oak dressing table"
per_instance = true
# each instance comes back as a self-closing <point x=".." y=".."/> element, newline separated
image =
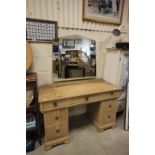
<point x="55" y="100"/>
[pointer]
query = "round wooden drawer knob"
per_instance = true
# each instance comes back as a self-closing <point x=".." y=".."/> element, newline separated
<point x="110" y="106"/>
<point x="55" y="104"/>
<point x="56" y="118"/>
<point x="57" y="130"/>
<point x="86" y="98"/>
<point x="112" y="93"/>
<point x="108" y="116"/>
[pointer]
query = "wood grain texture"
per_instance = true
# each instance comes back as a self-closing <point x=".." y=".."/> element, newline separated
<point x="61" y="140"/>
<point x="103" y="114"/>
<point x="56" y="128"/>
<point x="55" y="100"/>
<point x="28" y="56"/>
<point x="85" y="87"/>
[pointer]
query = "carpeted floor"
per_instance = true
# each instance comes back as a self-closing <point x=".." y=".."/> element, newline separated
<point x="85" y="140"/>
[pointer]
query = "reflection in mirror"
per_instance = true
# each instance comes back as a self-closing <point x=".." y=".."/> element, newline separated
<point x="74" y="57"/>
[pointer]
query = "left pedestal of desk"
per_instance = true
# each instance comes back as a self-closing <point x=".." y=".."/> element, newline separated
<point x="33" y="116"/>
<point x="56" y="127"/>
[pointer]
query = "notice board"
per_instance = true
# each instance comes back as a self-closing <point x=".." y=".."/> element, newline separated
<point x="39" y="30"/>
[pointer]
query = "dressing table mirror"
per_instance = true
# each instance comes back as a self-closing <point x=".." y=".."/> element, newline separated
<point x="74" y="57"/>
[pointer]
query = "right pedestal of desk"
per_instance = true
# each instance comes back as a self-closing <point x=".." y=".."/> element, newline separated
<point x="103" y="114"/>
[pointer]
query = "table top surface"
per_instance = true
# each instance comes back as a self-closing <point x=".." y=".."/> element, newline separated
<point x="74" y="89"/>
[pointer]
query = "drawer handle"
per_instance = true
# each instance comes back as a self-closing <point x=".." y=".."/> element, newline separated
<point x="86" y="98"/>
<point x="55" y="104"/>
<point x="57" y="130"/>
<point x="56" y="118"/>
<point x="112" y="93"/>
<point x="110" y="106"/>
<point x="108" y="116"/>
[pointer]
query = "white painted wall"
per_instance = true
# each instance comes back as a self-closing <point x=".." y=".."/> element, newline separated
<point x="68" y="13"/>
<point x="42" y="62"/>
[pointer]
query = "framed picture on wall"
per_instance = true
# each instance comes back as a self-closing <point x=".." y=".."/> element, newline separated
<point x="39" y="30"/>
<point x="68" y="43"/>
<point x="104" y="11"/>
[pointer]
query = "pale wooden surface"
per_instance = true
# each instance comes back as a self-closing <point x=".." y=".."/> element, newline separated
<point x="103" y="114"/>
<point x="28" y="55"/>
<point x="55" y="100"/>
<point x="73" y="79"/>
<point x="74" y="89"/>
<point x="56" y="128"/>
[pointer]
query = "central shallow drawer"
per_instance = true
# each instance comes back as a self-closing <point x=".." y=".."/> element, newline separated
<point x="56" y="131"/>
<point x="77" y="100"/>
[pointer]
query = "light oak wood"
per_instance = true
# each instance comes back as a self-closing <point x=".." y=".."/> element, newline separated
<point x="28" y="56"/>
<point x="55" y="100"/>
<point x="50" y="144"/>
<point x="105" y="127"/>
<point x="56" y="131"/>
<point x="103" y="114"/>
<point x="75" y="90"/>
<point x="74" y="79"/>
<point x="52" y="117"/>
<point x="56" y="127"/>
<point x="53" y="105"/>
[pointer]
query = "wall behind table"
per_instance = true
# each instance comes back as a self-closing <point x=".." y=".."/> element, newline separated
<point x="42" y="62"/>
<point x="68" y="13"/>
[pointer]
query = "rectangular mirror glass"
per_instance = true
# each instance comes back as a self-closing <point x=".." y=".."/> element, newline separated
<point x="74" y="57"/>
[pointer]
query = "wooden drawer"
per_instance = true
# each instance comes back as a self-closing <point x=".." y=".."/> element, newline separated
<point x="56" y="131"/>
<point x="103" y="96"/>
<point x="108" y="109"/>
<point x="93" y="98"/>
<point x="76" y="100"/>
<point x="108" y="117"/>
<point x="53" y="117"/>
<point x="45" y="106"/>
<point x="110" y="106"/>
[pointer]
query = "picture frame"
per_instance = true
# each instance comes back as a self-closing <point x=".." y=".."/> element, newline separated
<point x="40" y="30"/>
<point x="68" y="43"/>
<point x="103" y="11"/>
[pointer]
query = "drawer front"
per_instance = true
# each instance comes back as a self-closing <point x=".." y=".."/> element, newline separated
<point x="110" y="106"/>
<point x="56" y="116"/>
<point x="93" y="98"/>
<point x="103" y="96"/>
<point x="56" y="131"/>
<point x="76" y="100"/>
<point x="53" y="105"/>
<point x="114" y="94"/>
<point x="108" y="117"/>
<point x="108" y="109"/>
